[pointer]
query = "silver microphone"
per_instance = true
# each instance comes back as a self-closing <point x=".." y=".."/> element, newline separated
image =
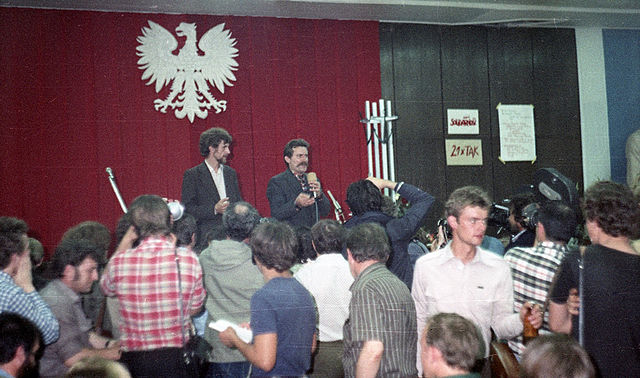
<point x="176" y="209"/>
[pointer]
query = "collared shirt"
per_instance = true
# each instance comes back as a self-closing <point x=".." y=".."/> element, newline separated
<point x="29" y="305"/>
<point x="74" y="328"/>
<point x="328" y="278"/>
<point x="381" y="309"/>
<point x="480" y="290"/>
<point x="532" y="270"/>
<point x="145" y="281"/>
<point x="218" y="179"/>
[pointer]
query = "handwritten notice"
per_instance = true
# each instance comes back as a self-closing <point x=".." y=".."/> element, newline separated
<point x="517" y="133"/>
<point x="463" y="151"/>
<point x="463" y="121"/>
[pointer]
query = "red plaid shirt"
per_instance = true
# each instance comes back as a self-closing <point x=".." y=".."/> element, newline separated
<point x="145" y="281"/>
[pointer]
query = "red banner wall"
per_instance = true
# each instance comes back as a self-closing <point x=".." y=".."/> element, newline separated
<point x="73" y="103"/>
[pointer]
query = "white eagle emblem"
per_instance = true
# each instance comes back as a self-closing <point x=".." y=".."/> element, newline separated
<point x="192" y="69"/>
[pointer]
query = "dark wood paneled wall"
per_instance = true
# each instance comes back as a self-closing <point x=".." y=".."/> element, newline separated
<point x="427" y="69"/>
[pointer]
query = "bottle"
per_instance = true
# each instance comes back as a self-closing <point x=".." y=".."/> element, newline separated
<point x="529" y="332"/>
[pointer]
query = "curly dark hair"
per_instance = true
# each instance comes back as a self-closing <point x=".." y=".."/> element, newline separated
<point x="213" y="137"/>
<point x="13" y="239"/>
<point x="73" y="252"/>
<point x="363" y="196"/>
<point x="614" y="208"/>
<point x="274" y="245"/>
<point x="95" y="232"/>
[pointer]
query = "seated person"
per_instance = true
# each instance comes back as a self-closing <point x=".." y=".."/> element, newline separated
<point x="283" y="314"/>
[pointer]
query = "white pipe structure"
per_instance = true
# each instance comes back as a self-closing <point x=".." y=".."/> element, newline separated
<point x="380" y="140"/>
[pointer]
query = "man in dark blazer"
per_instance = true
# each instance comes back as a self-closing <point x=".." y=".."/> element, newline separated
<point x="209" y="187"/>
<point x="292" y="196"/>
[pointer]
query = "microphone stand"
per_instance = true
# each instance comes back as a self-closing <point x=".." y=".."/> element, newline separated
<point x="112" y="180"/>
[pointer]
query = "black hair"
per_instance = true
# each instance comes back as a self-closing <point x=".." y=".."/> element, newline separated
<point x="363" y="196"/>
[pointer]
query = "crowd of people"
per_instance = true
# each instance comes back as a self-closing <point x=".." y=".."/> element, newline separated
<point x="321" y="298"/>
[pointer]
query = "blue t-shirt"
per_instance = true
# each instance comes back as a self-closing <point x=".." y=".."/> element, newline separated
<point x="284" y="307"/>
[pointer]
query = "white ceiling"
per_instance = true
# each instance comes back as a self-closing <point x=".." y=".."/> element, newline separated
<point x="549" y="13"/>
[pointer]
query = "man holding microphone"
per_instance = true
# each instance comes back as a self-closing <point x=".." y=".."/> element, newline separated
<point x="295" y="196"/>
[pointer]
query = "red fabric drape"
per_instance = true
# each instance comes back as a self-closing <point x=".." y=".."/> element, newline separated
<point x="73" y="103"/>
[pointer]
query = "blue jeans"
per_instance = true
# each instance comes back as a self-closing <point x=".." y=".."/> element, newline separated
<point x="229" y="369"/>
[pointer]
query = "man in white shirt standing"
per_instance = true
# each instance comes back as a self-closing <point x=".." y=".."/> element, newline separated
<point x="209" y="187"/>
<point x="465" y="279"/>
<point x="328" y="279"/>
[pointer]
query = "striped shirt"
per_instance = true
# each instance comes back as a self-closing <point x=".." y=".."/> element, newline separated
<point x="145" y="281"/>
<point x="381" y="309"/>
<point x="532" y="270"/>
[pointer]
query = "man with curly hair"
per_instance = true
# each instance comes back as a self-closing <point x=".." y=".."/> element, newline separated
<point x="611" y="289"/>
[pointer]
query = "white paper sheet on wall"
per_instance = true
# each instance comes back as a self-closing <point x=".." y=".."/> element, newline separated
<point x="517" y="133"/>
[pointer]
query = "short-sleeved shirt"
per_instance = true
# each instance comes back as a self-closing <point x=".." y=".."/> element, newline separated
<point x="611" y="305"/>
<point x="284" y="307"/>
<point x="381" y="309"/>
<point x="74" y="328"/>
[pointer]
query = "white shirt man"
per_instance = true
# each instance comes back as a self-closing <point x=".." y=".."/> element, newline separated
<point x="465" y="279"/>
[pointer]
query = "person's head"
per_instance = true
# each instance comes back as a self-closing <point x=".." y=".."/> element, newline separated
<point x="239" y="220"/>
<point x="327" y="236"/>
<point x="613" y="209"/>
<point x="75" y="263"/>
<point x="13" y="240"/>
<point x="150" y="216"/>
<point x="558" y="222"/>
<point x="97" y="367"/>
<point x="19" y="343"/>
<point x="555" y="355"/>
<point x="517" y="204"/>
<point x="36" y="252"/>
<point x="367" y="242"/>
<point x="274" y="246"/>
<point x="95" y="232"/>
<point x="185" y="230"/>
<point x="305" y="251"/>
<point x="296" y="155"/>
<point x="215" y="143"/>
<point x="363" y="196"/>
<point x="467" y="212"/>
<point x="452" y="340"/>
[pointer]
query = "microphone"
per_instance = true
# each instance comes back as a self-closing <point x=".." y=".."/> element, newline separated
<point x="312" y="177"/>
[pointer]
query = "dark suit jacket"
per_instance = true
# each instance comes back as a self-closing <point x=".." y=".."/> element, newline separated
<point x="282" y="192"/>
<point x="200" y="195"/>
<point x="400" y="230"/>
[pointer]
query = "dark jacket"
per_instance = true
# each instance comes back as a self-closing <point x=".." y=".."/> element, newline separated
<point x="200" y="195"/>
<point x="400" y="230"/>
<point x="282" y="191"/>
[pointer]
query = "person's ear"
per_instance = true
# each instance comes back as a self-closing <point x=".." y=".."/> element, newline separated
<point x="453" y="222"/>
<point x="20" y="356"/>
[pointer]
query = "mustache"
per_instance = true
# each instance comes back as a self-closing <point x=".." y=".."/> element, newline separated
<point x="301" y="164"/>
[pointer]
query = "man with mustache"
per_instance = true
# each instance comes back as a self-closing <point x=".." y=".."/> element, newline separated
<point x="209" y="187"/>
<point x="293" y="199"/>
